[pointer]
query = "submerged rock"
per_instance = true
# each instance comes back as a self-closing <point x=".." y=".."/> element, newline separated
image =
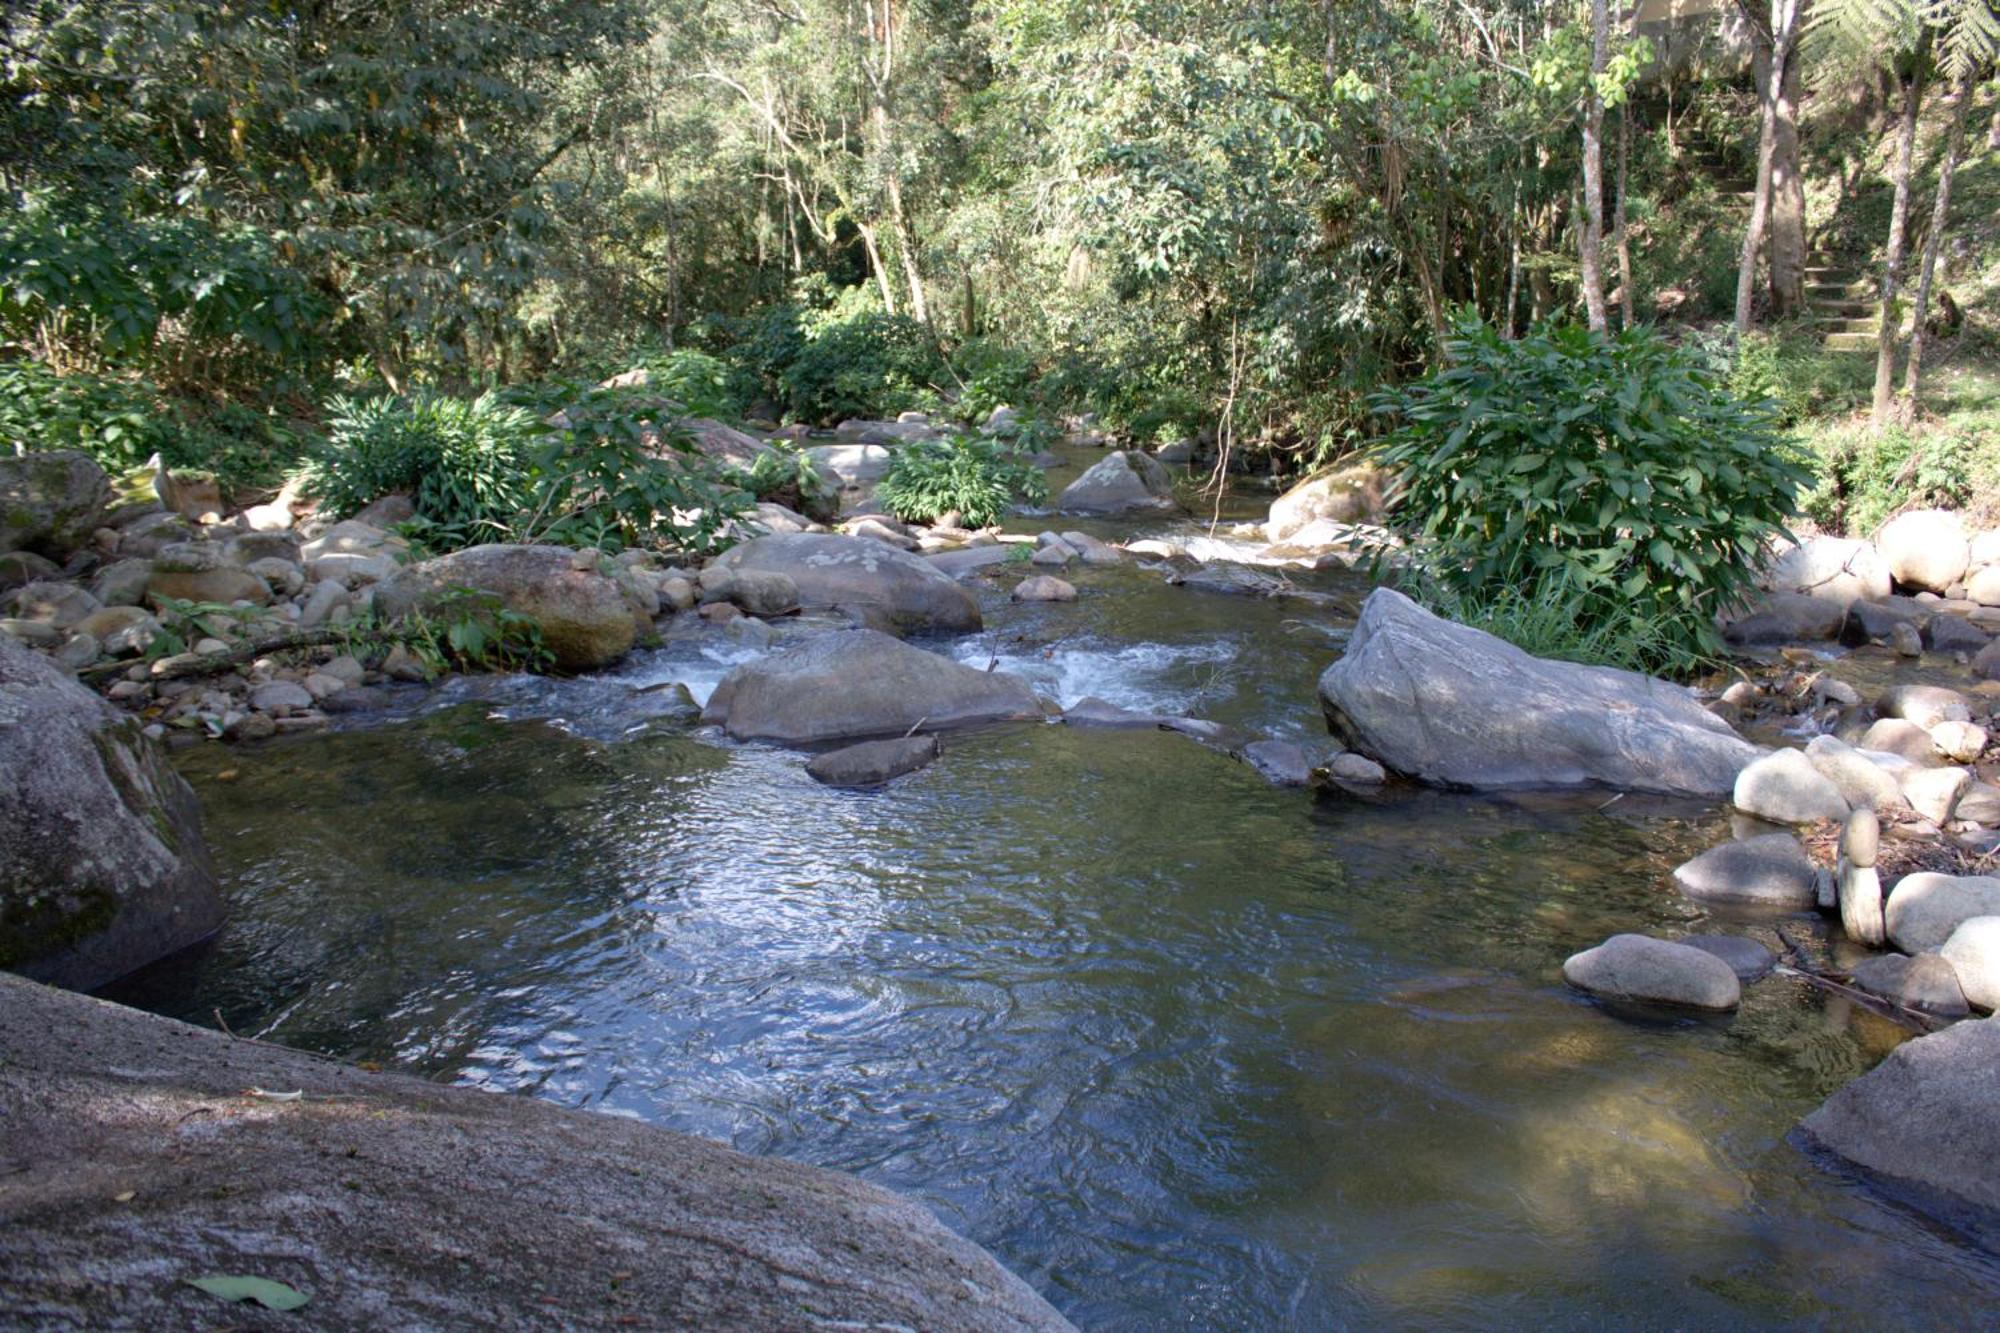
<point x="1926" y="982"/>
<point x="857" y="684"/>
<point x="1923" y="1119"/>
<point x="1095" y="712"/>
<point x="1638" y="967"/>
<point x="103" y="868"/>
<point x="1746" y="957"/>
<point x="1455" y="706"/>
<point x="135" y="1155"/>
<point x="1283" y="763"/>
<point x="883" y="587"/>
<point x="872" y="763"/>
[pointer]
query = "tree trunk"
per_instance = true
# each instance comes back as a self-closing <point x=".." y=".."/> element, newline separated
<point x="875" y="266"/>
<point x="1784" y="14"/>
<point x="1619" y="239"/>
<point x="1954" y="144"/>
<point x="1788" y="199"/>
<point x="1892" y="257"/>
<point x="1591" y="246"/>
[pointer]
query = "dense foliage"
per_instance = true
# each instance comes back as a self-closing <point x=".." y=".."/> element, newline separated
<point x="979" y="480"/>
<point x="615" y="472"/>
<point x="1571" y="464"/>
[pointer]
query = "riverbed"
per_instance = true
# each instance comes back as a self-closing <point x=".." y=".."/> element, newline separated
<point x="1181" y="1048"/>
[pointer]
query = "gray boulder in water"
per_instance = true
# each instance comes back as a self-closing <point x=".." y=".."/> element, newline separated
<point x="1457" y="707"/>
<point x="102" y="864"/>
<point x="1923" y="1120"/>
<point x="135" y="1156"/>
<point x="1122" y="482"/>
<point x="883" y="587"/>
<point x="856" y="684"/>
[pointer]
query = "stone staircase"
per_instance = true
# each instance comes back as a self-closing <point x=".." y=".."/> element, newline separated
<point x="1840" y="303"/>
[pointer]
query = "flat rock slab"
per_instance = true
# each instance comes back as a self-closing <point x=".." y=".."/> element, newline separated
<point x="882" y="587"/>
<point x="1454" y="706"/>
<point x="393" y="1202"/>
<point x="861" y="684"/>
<point x="1923" y="1121"/>
<point x="872" y="763"/>
<point x="1769" y="871"/>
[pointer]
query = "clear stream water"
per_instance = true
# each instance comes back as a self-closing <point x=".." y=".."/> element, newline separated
<point x="1183" y="1050"/>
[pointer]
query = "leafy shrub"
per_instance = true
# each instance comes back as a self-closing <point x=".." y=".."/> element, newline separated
<point x="868" y="364"/>
<point x="122" y="420"/>
<point x="704" y="384"/>
<point x="117" y="421"/>
<point x="1619" y="464"/>
<point x="462" y="462"/>
<point x="993" y="374"/>
<point x="175" y="293"/>
<point x="621" y="472"/>
<point x="788" y="477"/>
<point x="473" y="629"/>
<point x="1789" y="367"/>
<point x="618" y="471"/>
<point x="977" y="478"/>
<point x="1866" y="475"/>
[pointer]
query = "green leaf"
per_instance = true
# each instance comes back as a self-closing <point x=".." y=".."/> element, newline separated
<point x="242" y="1287"/>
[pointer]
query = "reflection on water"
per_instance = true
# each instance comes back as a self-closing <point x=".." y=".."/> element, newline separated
<point x="1184" y="1050"/>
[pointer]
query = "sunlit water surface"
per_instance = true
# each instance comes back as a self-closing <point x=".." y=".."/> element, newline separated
<point x="1182" y="1049"/>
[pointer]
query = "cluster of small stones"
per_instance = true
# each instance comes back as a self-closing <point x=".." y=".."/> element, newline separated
<point x="1925" y="584"/>
<point x="1913" y="768"/>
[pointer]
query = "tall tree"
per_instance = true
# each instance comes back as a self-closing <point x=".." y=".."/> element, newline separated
<point x="1784" y="31"/>
<point x="1934" y="238"/>
<point x="1591" y="247"/>
<point x="1890" y="315"/>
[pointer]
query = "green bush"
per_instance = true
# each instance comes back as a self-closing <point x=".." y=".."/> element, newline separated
<point x="862" y="365"/>
<point x="1619" y="465"/>
<point x="978" y="478"/>
<point x="122" y="420"/>
<point x="1866" y="475"/>
<point x="705" y="385"/>
<point x="463" y="463"/>
<point x="117" y="421"/>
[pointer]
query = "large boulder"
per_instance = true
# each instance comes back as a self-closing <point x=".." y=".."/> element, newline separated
<point x="724" y="444"/>
<point x="1346" y="495"/>
<point x="1454" y="706"/>
<point x="50" y="502"/>
<point x="1830" y="569"/>
<point x="1923" y="1119"/>
<point x="133" y="1154"/>
<point x="881" y="586"/>
<point x="1926" y="549"/>
<point x="857" y="684"/>
<point x="583" y="615"/>
<point x="854" y="464"/>
<point x="1122" y="482"/>
<point x="102" y="864"/>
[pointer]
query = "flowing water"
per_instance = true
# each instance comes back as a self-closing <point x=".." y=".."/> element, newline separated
<point x="1182" y="1049"/>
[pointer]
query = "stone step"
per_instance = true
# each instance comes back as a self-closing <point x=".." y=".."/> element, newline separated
<point x="1849" y="342"/>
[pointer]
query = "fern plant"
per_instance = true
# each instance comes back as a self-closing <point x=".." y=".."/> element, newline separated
<point x="978" y="479"/>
